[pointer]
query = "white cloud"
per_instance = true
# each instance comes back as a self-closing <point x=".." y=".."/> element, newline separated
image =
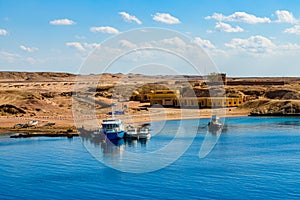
<point x="76" y="45"/>
<point x="185" y="47"/>
<point x="13" y="58"/>
<point x="9" y="57"/>
<point x="165" y="50"/>
<point x="89" y="46"/>
<point x="28" y="49"/>
<point x="293" y="30"/>
<point x="104" y="29"/>
<point x="285" y="16"/>
<point x="82" y="46"/>
<point x="204" y="43"/>
<point x="253" y="44"/>
<point x="239" y="17"/>
<point x="167" y="43"/>
<point x="3" y="32"/>
<point x="62" y="22"/>
<point x="223" y="27"/>
<point x="288" y="47"/>
<point x="261" y="46"/>
<point x="173" y="42"/>
<point x="127" y="44"/>
<point x="165" y="18"/>
<point x="129" y="18"/>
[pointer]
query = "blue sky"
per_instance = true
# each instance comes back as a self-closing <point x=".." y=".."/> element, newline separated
<point x="242" y="37"/>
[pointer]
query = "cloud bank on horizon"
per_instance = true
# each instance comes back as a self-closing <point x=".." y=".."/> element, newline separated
<point x="242" y="41"/>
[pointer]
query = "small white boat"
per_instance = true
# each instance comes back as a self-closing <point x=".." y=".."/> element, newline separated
<point x="143" y="133"/>
<point x="33" y="123"/>
<point x="214" y="125"/>
<point x="137" y="132"/>
<point x="131" y="132"/>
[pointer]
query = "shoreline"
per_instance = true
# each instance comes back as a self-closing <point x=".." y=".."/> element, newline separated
<point x="72" y="131"/>
<point x="67" y="127"/>
<point x="38" y="130"/>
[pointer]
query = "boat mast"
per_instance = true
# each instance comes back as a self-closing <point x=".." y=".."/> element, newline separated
<point x="112" y="111"/>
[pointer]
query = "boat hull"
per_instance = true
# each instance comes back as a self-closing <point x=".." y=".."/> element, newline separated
<point x="138" y="136"/>
<point x="116" y="135"/>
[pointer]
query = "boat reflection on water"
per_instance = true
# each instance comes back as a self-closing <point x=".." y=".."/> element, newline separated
<point x="134" y="142"/>
<point x="212" y="136"/>
<point x="112" y="148"/>
<point x="210" y="140"/>
<point x="109" y="148"/>
<point x="215" y="131"/>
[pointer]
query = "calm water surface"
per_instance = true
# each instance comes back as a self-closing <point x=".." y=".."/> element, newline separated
<point x="255" y="158"/>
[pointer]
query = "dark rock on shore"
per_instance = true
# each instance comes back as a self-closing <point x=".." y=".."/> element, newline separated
<point x="282" y="94"/>
<point x="10" y="110"/>
<point x="29" y="135"/>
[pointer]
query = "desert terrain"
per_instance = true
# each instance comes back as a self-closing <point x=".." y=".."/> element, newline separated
<point x="52" y="99"/>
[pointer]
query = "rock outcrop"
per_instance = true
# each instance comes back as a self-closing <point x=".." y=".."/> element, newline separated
<point x="276" y="107"/>
<point x="282" y="94"/>
<point x="7" y="109"/>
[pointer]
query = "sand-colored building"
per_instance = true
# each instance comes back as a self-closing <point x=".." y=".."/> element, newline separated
<point x="211" y="102"/>
<point x="170" y="98"/>
<point x="142" y="97"/>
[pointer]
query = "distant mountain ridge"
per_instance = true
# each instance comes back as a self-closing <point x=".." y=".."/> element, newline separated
<point x="35" y="76"/>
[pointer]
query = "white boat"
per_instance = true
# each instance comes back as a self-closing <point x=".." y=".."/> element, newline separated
<point x="131" y="132"/>
<point x="143" y="133"/>
<point x="137" y="132"/>
<point x="33" y="123"/>
<point x="113" y="129"/>
<point x="214" y="125"/>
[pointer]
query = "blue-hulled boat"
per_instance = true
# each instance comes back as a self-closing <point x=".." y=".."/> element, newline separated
<point x="113" y="129"/>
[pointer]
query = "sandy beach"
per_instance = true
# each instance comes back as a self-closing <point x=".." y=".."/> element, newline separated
<point x="62" y="124"/>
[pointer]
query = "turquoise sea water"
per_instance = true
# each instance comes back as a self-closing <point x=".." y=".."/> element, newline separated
<point x="255" y="158"/>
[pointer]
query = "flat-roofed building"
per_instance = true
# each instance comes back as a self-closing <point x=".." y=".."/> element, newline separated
<point x="169" y="98"/>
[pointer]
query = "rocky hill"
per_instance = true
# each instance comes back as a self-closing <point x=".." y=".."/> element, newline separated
<point x="35" y="76"/>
